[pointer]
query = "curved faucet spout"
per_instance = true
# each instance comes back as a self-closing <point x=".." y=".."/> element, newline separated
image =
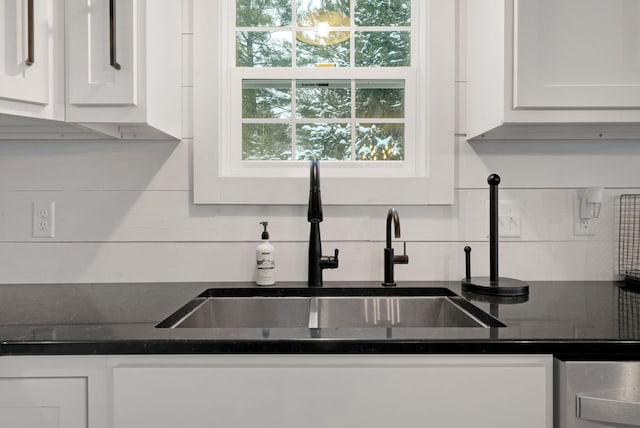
<point x="392" y="214"/>
<point x="390" y="259"/>
<point x="314" y="184"/>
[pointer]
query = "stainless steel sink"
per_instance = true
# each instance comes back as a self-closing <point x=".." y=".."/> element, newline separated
<point x="329" y="308"/>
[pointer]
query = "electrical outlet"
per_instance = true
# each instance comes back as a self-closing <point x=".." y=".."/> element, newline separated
<point x="581" y="227"/>
<point x="509" y="220"/>
<point x="43" y="219"/>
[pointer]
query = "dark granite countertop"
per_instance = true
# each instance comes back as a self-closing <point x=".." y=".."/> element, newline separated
<point x="572" y="320"/>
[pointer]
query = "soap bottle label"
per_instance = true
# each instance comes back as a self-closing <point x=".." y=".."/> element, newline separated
<point x="265" y="268"/>
<point x="265" y="261"/>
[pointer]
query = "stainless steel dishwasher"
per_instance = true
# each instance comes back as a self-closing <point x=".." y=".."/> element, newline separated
<point x="596" y="394"/>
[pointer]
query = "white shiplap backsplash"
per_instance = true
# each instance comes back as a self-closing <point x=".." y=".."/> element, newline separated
<point x="124" y="212"/>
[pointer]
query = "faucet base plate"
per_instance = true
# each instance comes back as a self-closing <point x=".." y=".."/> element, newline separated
<point x="502" y="287"/>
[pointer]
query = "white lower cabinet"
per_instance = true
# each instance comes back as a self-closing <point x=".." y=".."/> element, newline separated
<point x="54" y="392"/>
<point x="43" y="402"/>
<point x="337" y="391"/>
<point x="276" y="391"/>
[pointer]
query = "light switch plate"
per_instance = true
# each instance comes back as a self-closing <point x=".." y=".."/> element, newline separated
<point x="509" y="219"/>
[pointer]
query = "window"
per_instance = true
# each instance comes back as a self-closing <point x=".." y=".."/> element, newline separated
<point x="366" y="86"/>
<point x="325" y="118"/>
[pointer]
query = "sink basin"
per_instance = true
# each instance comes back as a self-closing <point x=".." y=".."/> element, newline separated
<point x="329" y="308"/>
<point x="361" y="312"/>
<point x="247" y="312"/>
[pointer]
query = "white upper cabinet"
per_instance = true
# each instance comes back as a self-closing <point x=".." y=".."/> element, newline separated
<point x="124" y="65"/>
<point x="569" y="67"/>
<point x="31" y="59"/>
<point x="102" y="38"/>
<point x="110" y="68"/>
<point x="577" y="54"/>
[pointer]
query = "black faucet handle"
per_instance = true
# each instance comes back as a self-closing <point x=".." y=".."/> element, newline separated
<point x="329" y="262"/>
<point x="402" y="259"/>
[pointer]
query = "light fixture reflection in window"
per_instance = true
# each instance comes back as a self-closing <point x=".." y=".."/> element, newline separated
<point x="319" y="26"/>
<point x="323" y="29"/>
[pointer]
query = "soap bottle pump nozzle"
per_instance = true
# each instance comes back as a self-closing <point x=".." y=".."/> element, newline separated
<point x="265" y="233"/>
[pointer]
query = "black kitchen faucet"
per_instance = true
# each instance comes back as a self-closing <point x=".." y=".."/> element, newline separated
<point x="317" y="261"/>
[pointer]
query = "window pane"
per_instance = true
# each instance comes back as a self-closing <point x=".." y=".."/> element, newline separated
<point x="381" y="13"/>
<point x="319" y="43"/>
<point x="323" y="99"/>
<point x="266" y="142"/>
<point x="382" y="49"/>
<point x="326" y="141"/>
<point x="379" y="99"/>
<point x="307" y="9"/>
<point x="269" y="13"/>
<point x="380" y="141"/>
<point x="266" y="99"/>
<point x="263" y="49"/>
<point x="309" y="55"/>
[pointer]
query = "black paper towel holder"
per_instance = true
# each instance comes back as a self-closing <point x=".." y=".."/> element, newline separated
<point x="493" y="285"/>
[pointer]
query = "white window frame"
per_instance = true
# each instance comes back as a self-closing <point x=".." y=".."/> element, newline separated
<point x="427" y="175"/>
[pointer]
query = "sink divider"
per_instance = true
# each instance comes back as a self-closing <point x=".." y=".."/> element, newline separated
<point x="314" y="316"/>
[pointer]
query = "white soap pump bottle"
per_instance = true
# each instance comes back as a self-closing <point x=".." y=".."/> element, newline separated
<point x="265" y="260"/>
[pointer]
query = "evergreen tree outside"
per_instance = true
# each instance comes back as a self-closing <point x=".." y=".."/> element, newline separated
<point x="327" y="141"/>
<point x="266" y="142"/>
<point x="388" y="13"/>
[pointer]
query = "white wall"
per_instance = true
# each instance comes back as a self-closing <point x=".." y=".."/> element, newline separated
<point x="124" y="212"/>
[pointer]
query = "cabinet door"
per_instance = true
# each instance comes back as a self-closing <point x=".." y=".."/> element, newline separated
<point x="30" y="38"/>
<point x="43" y="402"/>
<point x="95" y="29"/>
<point x="577" y="54"/>
<point x="337" y="392"/>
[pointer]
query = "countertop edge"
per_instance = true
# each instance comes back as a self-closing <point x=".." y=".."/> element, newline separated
<point x="564" y="350"/>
